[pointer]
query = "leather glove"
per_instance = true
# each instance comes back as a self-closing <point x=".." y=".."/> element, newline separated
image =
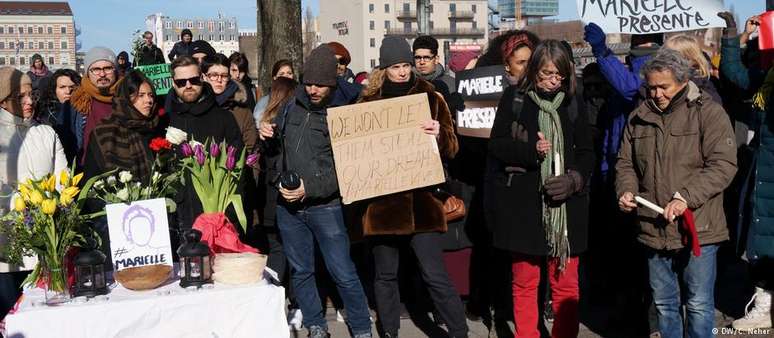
<point x="560" y="188"/>
<point x="595" y="36"/>
<point x="730" y="31"/>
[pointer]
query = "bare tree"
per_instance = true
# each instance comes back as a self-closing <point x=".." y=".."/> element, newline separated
<point x="310" y="37"/>
<point x="279" y="36"/>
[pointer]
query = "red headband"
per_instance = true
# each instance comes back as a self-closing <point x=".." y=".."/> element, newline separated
<point x="513" y="43"/>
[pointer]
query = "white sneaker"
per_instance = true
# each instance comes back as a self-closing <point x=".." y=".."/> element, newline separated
<point x="295" y="319"/>
<point x="339" y="317"/>
<point x="760" y="315"/>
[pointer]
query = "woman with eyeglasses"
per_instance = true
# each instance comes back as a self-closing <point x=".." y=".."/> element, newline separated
<point x="230" y="95"/>
<point x="541" y="142"/>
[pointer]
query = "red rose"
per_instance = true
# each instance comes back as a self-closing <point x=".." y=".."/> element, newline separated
<point x="159" y="143"/>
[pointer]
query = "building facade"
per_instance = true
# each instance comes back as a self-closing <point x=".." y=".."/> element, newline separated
<point x="29" y="28"/>
<point x="360" y="25"/>
<point x="221" y="32"/>
<point x="532" y="11"/>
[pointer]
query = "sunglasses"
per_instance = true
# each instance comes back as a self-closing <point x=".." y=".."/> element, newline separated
<point x="195" y="81"/>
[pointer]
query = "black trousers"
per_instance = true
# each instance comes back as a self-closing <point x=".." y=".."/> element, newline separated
<point x="427" y="247"/>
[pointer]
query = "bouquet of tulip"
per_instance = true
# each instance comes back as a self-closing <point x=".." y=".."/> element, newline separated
<point x="216" y="169"/>
<point x="46" y="221"/>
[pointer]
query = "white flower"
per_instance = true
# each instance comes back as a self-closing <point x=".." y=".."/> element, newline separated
<point x="125" y="176"/>
<point x="99" y="184"/>
<point x="111" y="180"/>
<point x="123" y="194"/>
<point x="156" y="177"/>
<point x="176" y="136"/>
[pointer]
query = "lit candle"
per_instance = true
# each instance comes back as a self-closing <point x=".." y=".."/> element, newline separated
<point x="557" y="165"/>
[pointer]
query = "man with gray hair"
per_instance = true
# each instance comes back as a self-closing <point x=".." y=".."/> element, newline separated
<point x="678" y="152"/>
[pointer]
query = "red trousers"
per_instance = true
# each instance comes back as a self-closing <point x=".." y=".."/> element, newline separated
<point x="564" y="294"/>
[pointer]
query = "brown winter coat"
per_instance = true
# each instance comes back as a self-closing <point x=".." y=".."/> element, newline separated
<point x="690" y="150"/>
<point x="415" y="210"/>
<point x="237" y="105"/>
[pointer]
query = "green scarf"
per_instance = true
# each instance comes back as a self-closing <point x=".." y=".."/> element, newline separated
<point x="554" y="218"/>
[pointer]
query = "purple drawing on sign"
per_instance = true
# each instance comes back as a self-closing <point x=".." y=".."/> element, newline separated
<point x="138" y="225"/>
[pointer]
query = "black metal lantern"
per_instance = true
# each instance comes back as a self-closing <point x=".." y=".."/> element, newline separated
<point x="195" y="269"/>
<point x="90" y="273"/>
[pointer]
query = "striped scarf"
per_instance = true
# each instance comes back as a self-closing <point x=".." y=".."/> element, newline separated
<point x="554" y="217"/>
<point x="120" y="142"/>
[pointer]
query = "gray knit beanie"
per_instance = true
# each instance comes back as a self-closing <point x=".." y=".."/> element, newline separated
<point x="99" y="54"/>
<point x="394" y="50"/>
<point x="320" y="67"/>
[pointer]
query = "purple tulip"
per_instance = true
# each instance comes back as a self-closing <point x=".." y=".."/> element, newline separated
<point x="214" y="150"/>
<point x="231" y="158"/>
<point x="199" y="153"/>
<point x="252" y="160"/>
<point x="186" y="149"/>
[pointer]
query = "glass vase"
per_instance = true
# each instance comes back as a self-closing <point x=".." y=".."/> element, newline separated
<point x="53" y="272"/>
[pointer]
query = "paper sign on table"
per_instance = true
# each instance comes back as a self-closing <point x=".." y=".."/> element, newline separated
<point x="379" y="148"/>
<point x="139" y="234"/>
<point x="646" y="17"/>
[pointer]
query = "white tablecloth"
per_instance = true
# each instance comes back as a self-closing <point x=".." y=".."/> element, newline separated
<point x="224" y="311"/>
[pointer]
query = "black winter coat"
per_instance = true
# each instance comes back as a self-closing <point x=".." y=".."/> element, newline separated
<point x="149" y="55"/>
<point x="514" y="208"/>
<point x="202" y="120"/>
<point x="179" y="49"/>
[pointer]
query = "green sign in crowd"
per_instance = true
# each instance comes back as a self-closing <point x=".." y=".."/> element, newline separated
<point x="160" y="75"/>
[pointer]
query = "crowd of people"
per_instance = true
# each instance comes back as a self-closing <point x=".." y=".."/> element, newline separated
<point x="558" y="198"/>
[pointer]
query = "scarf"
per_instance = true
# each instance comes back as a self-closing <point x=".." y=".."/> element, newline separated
<point x="228" y="93"/>
<point x="760" y="98"/>
<point x="42" y="72"/>
<point x="120" y="139"/>
<point x="395" y="89"/>
<point x="81" y="99"/>
<point x="554" y="217"/>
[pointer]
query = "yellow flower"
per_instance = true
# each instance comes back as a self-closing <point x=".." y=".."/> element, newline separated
<point x="36" y="197"/>
<point x="49" y="184"/>
<point x="64" y="178"/>
<point x="24" y="191"/>
<point x="48" y="206"/>
<point x="19" y="205"/>
<point x="76" y="180"/>
<point x="68" y="195"/>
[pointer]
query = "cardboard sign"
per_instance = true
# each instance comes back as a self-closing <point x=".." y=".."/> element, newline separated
<point x="139" y="234"/>
<point x="651" y="16"/>
<point x="481" y="89"/>
<point x="379" y="148"/>
<point x="160" y="75"/>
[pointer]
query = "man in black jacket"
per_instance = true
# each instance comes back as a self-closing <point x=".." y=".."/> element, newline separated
<point x="192" y="108"/>
<point x="182" y="47"/>
<point x="311" y="211"/>
<point x="149" y="54"/>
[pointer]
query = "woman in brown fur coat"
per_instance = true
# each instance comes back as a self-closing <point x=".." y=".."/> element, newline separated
<point x="412" y="218"/>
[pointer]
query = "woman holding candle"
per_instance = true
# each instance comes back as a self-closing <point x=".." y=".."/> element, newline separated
<point x="544" y="155"/>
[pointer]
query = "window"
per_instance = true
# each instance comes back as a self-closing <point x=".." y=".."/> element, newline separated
<point x="452" y="8"/>
<point x="12" y="60"/>
<point x="21" y="30"/>
<point x="453" y="27"/>
<point x="40" y="30"/>
<point x="29" y="30"/>
<point x="475" y="25"/>
<point x="2" y="45"/>
<point x="51" y="60"/>
<point x="370" y="8"/>
<point x="220" y="26"/>
<point x="210" y="39"/>
<point x="50" y="30"/>
<point x="168" y="24"/>
<point x="386" y="8"/>
<point x="407" y="27"/>
<point x="431" y="25"/>
<point x="64" y="29"/>
<point x="41" y="45"/>
<point x="21" y="45"/>
<point x="64" y="44"/>
<point x="50" y="45"/>
<point x="190" y="24"/>
<point x="220" y="37"/>
<point x="22" y="60"/>
<point x="371" y="25"/>
<point x="473" y="8"/>
<point x="201" y="24"/>
<point x="373" y="63"/>
<point x="10" y="29"/>
<point x="2" y="61"/>
<point x="231" y="25"/>
<point x="430" y="9"/>
<point x="372" y="42"/>
<point x="386" y="24"/>
<point x="32" y="45"/>
<point x="2" y="30"/>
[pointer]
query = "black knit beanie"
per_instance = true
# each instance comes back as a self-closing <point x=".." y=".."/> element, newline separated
<point x="394" y="50"/>
<point x="320" y="67"/>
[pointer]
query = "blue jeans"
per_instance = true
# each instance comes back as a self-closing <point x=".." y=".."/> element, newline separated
<point x="325" y="225"/>
<point x="669" y="270"/>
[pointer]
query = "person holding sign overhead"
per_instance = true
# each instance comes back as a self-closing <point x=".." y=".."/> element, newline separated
<point x="309" y="209"/>
<point x="544" y="155"/>
<point x="413" y="218"/>
<point x="678" y="152"/>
